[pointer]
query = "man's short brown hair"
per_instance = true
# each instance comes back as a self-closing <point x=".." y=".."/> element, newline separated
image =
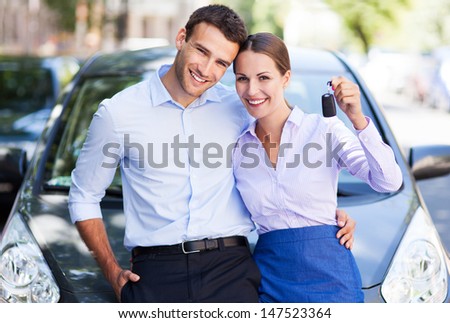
<point x="225" y="19"/>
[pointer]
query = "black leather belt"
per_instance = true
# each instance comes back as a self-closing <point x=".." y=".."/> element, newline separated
<point x="194" y="246"/>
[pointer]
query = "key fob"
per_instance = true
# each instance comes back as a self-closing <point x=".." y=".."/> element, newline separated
<point x="328" y="104"/>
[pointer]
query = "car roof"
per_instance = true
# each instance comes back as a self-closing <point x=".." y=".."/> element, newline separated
<point x="129" y="62"/>
<point x="60" y="66"/>
<point x="315" y="59"/>
<point x="23" y="62"/>
<point x="141" y="61"/>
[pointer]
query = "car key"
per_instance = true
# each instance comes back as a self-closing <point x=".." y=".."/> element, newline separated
<point x="328" y="105"/>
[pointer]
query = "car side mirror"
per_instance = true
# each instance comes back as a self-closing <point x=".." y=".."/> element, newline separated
<point x="13" y="165"/>
<point x="429" y="161"/>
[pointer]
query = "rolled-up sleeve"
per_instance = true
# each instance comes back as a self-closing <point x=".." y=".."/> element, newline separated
<point x="95" y="167"/>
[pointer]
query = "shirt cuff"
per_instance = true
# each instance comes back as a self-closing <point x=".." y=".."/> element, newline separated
<point x="369" y="133"/>
<point x="84" y="211"/>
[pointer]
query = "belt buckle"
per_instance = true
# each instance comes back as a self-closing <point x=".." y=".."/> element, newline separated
<point x="187" y="252"/>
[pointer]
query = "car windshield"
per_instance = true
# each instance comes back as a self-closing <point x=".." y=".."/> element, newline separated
<point x="305" y="91"/>
<point x="22" y="92"/>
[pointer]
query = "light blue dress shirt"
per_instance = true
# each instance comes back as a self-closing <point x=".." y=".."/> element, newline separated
<point x="175" y="164"/>
<point x="302" y="190"/>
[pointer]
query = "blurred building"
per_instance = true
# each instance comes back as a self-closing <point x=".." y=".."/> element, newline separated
<point x="30" y="27"/>
<point x="130" y="24"/>
<point x="159" y="19"/>
<point x="25" y="25"/>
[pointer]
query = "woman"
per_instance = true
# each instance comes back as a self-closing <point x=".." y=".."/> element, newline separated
<point x="294" y="203"/>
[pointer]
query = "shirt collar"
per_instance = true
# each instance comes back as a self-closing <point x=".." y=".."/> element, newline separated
<point x="160" y="95"/>
<point x="295" y="118"/>
<point x="158" y="91"/>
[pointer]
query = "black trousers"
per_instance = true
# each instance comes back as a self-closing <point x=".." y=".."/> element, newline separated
<point x="226" y="275"/>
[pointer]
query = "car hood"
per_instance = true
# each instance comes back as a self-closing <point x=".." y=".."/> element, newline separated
<point x="380" y="227"/>
<point x="74" y="268"/>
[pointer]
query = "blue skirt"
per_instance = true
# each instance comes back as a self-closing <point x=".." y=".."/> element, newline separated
<point x="307" y="265"/>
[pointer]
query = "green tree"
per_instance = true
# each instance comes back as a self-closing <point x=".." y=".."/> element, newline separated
<point x="365" y="18"/>
<point x="65" y="11"/>
<point x="261" y="15"/>
<point x="269" y="16"/>
<point x="438" y="12"/>
<point x="243" y="8"/>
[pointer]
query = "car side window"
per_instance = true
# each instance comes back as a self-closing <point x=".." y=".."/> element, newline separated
<point x="75" y="123"/>
<point x="26" y="90"/>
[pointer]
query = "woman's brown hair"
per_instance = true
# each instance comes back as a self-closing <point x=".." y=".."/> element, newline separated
<point x="270" y="45"/>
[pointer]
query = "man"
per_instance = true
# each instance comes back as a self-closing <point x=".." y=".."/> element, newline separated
<point x="185" y="222"/>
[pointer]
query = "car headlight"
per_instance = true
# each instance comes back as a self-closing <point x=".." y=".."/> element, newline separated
<point x="418" y="272"/>
<point x="24" y="274"/>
